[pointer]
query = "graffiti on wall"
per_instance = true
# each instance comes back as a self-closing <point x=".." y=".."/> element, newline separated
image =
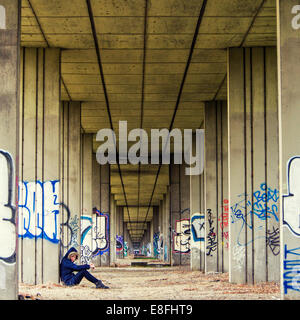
<point x="273" y="241"/>
<point x="197" y="227"/>
<point x="211" y="235"/>
<point x="224" y="223"/>
<point x="264" y="206"/>
<point x="156" y="248"/>
<point x="119" y="244"/>
<point x="291" y="222"/>
<point x="94" y="236"/>
<point x="86" y="239"/>
<point x="291" y="269"/>
<point x="39" y="210"/>
<point x="182" y="236"/>
<point x="149" y="249"/>
<point x="8" y="210"/>
<point x="161" y="245"/>
<point x="125" y="249"/>
<point x="69" y="229"/>
<point x="291" y="201"/>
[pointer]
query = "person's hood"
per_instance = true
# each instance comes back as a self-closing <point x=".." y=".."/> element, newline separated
<point x="69" y="251"/>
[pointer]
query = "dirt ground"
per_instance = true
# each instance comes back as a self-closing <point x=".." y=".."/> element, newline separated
<point x="153" y="283"/>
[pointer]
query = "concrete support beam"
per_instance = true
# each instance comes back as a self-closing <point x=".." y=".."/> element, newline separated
<point x="87" y="200"/>
<point x="151" y="237"/>
<point x="197" y="220"/>
<point x="101" y="212"/>
<point x="161" y="234"/>
<point x="112" y="230"/>
<point x="105" y="211"/>
<point x="70" y="175"/>
<point x="253" y="165"/>
<point x="39" y="185"/>
<point x="166" y="227"/>
<point x="156" y="232"/>
<point x="119" y="233"/>
<point x="9" y="144"/>
<point x="127" y="241"/>
<point x="180" y="214"/>
<point x="289" y="144"/>
<point x="216" y="181"/>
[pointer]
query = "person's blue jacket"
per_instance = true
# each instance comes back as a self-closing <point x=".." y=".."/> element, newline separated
<point x="67" y="267"/>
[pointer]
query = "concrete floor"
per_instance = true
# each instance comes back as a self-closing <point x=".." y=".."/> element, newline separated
<point x="155" y="283"/>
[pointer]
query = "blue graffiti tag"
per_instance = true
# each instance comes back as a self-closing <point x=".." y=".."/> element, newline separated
<point x="39" y="209"/>
<point x="291" y="268"/>
<point x="264" y="206"/>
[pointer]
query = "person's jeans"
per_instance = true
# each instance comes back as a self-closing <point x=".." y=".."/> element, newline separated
<point x="76" y="279"/>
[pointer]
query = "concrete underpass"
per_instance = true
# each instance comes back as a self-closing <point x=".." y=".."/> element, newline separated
<point x="88" y="85"/>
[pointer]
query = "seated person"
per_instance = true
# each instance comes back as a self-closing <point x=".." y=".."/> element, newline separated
<point x="67" y="266"/>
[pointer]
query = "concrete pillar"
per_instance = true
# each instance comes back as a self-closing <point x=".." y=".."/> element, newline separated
<point x="99" y="237"/>
<point x="127" y="245"/>
<point x="216" y="184"/>
<point x="160" y="227"/>
<point x="87" y="200"/>
<point x="9" y="144"/>
<point x="253" y="165"/>
<point x="289" y="144"/>
<point x="180" y="214"/>
<point x="155" y="232"/>
<point x="166" y="227"/>
<point x="151" y="237"/>
<point x="197" y="220"/>
<point x="39" y="185"/>
<point x="112" y="230"/>
<point x="70" y="175"/>
<point x="104" y="223"/>
<point x="119" y="233"/>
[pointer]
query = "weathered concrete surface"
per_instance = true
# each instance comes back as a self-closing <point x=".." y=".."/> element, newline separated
<point x="216" y="187"/>
<point x="9" y="144"/>
<point x="39" y="183"/>
<point x="70" y="175"/>
<point x="289" y="144"/>
<point x="253" y="162"/>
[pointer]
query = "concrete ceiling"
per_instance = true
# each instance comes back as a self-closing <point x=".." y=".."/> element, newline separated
<point x="144" y="54"/>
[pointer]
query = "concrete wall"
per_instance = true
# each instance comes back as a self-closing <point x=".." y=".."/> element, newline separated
<point x="216" y="187"/>
<point x="9" y="140"/>
<point x="253" y="165"/>
<point x="39" y="184"/>
<point x="289" y="112"/>
<point x="180" y="214"/>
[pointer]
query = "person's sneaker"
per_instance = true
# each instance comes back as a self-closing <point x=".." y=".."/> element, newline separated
<point x="101" y="285"/>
